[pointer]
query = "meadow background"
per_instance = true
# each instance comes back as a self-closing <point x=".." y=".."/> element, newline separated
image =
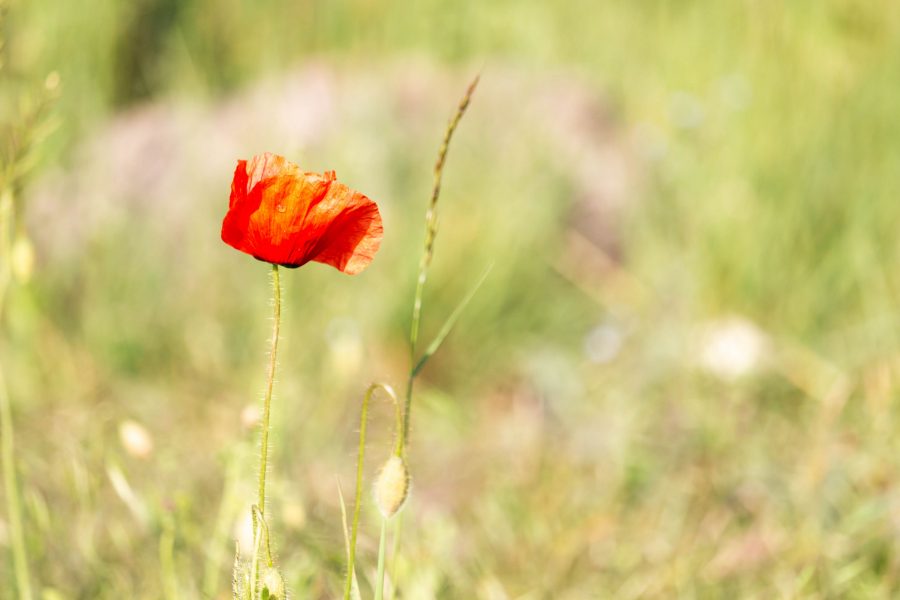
<point x="679" y="381"/>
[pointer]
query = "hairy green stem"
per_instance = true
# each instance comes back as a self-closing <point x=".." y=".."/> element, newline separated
<point x="264" y="529"/>
<point x="382" y="544"/>
<point x="259" y="510"/>
<point x="395" y="550"/>
<point x="357" y="503"/>
<point x="254" y="561"/>
<point x="267" y="402"/>
<point x="351" y="559"/>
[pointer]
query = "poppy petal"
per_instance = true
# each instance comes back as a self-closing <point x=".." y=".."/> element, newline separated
<point x="354" y="231"/>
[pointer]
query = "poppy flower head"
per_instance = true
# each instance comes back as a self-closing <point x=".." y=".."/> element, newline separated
<point x="282" y="215"/>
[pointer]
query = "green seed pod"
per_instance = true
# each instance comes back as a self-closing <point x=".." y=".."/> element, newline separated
<point x="392" y="486"/>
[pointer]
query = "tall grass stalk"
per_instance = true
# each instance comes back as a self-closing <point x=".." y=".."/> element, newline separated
<point x="431" y="227"/>
<point x="10" y="483"/>
<point x="416" y="364"/>
<point x="14" y="509"/>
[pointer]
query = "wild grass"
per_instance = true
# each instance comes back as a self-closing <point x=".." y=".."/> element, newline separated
<point x="650" y="179"/>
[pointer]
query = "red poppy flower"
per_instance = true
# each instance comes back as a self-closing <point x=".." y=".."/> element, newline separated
<point x="282" y="215"/>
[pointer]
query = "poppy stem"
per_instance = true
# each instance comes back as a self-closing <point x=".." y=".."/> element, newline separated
<point x="267" y="402"/>
<point x="360" y="456"/>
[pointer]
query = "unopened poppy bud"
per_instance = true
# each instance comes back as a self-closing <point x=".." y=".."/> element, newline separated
<point x="392" y="486"/>
<point x="273" y="582"/>
<point x="22" y="258"/>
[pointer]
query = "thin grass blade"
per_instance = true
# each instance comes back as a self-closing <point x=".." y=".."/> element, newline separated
<point x="450" y="322"/>
<point x="351" y="572"/>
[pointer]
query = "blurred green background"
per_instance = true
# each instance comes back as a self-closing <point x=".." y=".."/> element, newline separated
<point x="679" y="380"/>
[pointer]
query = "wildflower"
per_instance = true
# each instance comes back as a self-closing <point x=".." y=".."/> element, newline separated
<point x="282" y="215"/>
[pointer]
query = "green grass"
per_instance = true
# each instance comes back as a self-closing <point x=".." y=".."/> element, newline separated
<point x="761" y="147"/>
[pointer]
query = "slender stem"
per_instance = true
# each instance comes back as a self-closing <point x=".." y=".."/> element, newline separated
<point x="237" y="575"/>
<point x="259" y="511"/>
<point x="395" y="550"/>
<point x="351" y="576"/>
<point x="382" y="543"/>
<point x="267" y="403"/>
<point x="254" y="561"/>
<point x="360" y="455"/>
<point x="20" y="558"/>
<point x="351" y="559"/>
<point x="428" y="251"/>
<point x="23" y="581"/>
<point x="264" y="528"/>
<point x="407" y="402"/>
